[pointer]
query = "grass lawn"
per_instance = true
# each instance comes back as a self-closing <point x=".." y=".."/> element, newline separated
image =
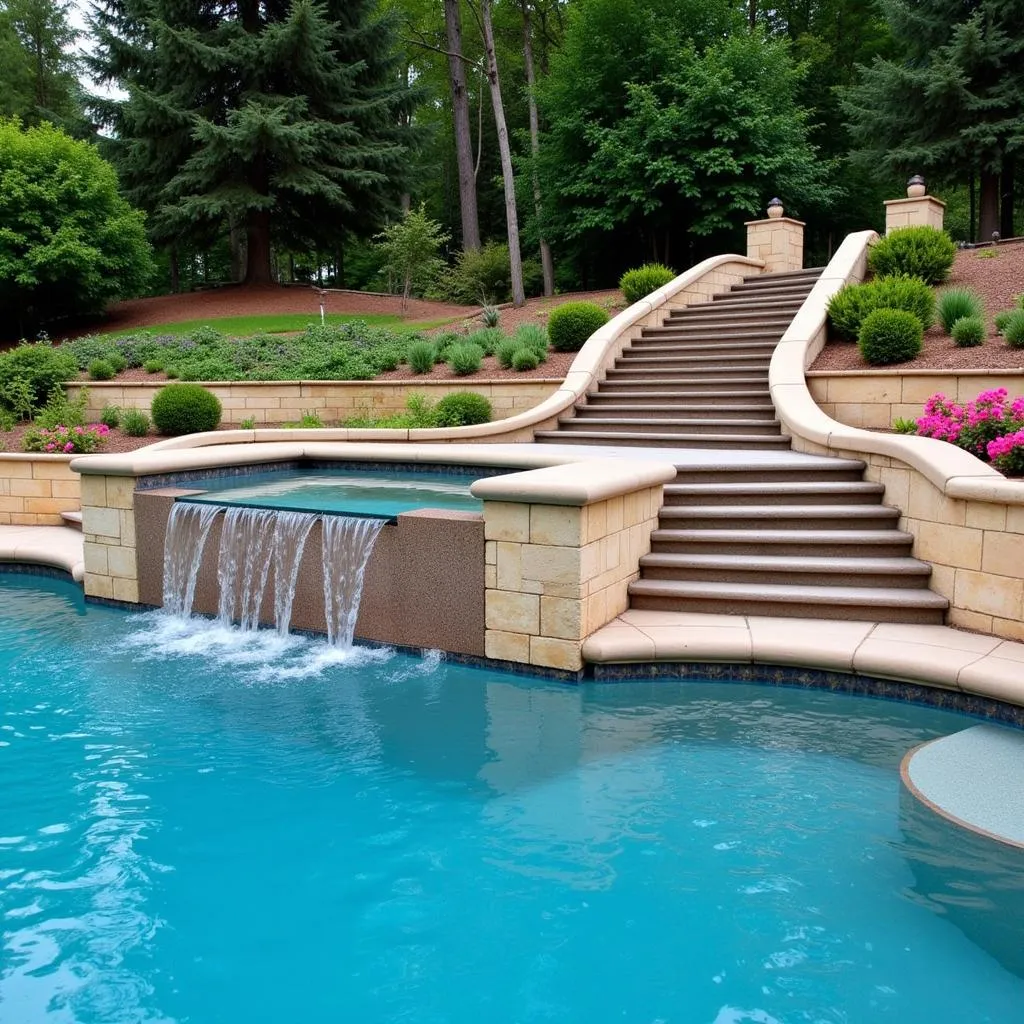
<point x="279" y="323"/>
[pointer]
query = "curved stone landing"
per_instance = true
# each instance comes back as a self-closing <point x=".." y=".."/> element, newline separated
<point x="974" y="778"/>
<point x="57" y="546"/>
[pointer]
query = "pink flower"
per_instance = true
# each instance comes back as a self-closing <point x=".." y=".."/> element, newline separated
<point x="69" y="446"/>
<point x="49" y="447"/>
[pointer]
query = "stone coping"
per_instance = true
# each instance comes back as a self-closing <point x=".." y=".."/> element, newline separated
<point x="934" y="656"/>
<point x="949" y="371"/>
<point x="58" y="546"/>
<point x="417" y="382"/>
<point x="35" y="457"/>
<point x="953" y="471"/>
<point x="973" y="778"/>
<point x="579" y="483"/>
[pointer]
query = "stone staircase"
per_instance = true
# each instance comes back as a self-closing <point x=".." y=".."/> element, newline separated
<point x="755" y="535"/>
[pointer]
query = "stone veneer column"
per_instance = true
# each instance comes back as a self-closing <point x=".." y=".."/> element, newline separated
<point x="108" y="525"/>
<point x="917" y="210"/>
<point x="779" y="240"/>
<point x="558" y="565"/>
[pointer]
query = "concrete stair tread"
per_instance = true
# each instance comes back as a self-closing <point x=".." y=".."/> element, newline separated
<point x="681" y="440"/>
<point x="661" y="381"/>
<point x="738" y="535"/>
<point x="790" y="487"/>
<point x="692" y="374"/>
<point x="779" y="511"/>
<point x="812" y="273"/>
<point x="658" y="346"/>
<point x="705" y="334"/>
<point x="718" y="359"/>
<point x="849" y="565"/>
<point x="668" y="421"/>
<point x="792" y="593"/>
<point x="678" y="407"/>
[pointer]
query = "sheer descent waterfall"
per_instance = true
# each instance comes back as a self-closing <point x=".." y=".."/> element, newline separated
<point x="254" y="540"/>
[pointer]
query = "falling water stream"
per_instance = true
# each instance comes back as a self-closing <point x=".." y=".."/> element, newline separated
<point x="255" y="541"/>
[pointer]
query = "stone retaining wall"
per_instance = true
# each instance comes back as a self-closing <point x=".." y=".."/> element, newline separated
<point x="35" y="489"/>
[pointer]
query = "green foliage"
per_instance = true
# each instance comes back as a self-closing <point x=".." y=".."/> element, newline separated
<point x="100" y="369"/>
<point x="479" y="276"/>
<point x="62" y="439"/>
<point x="8" y="420"/>
<point x="419" y="414"/>
<point x="902" y="425"/>
<point x="969" y="331"/>
<point x="110" y="416"/>
<point x="249" y="423"/>
<point x="39" y="367"/>
<point x="572" y="323"/>
<point x="185" y="409"/>
<point x="922" y="251"/>
<point x="421" y="356"/>
<point x="410" y="250"/>
<point x="491" y="316"/>
<point x="955" y="303"/>
<point x="135" y="423"/>
<point x="465" y="358"/>
<point x="1002" y="319"/>
<point x="532" y="336"/>
<point x="69" y="243"/>
<point x="462" y="409"/>
<point x="309" y="420"/>
<point x="505" y="351"/>
<point x="635" y="284"/>
<point x="1013" y="329"/>
<point x="889" y="336"/>
<point x="60" y="411"/>
<point x="525" y="359"/>
<point x="153" y="365"/>
<point x="852" y="303"/>
<point x="487" y="338"/>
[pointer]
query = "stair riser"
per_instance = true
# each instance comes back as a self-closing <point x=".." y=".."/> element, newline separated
<point x="688" y="441"/>
<point x="687" y="410"/>
<point x="706" y="350"/>
<point x="626" y="373"/>
<point x="719" y="325"/>
<point x="695" y="388"/>
<point x="714" y="336"/>
<point x="725" y="498"/>
<point x="696" y="427"/>
<point x="767" y="474"/>
<point x="740" y="360"/>
<point x="815" y="610"/>
<point x="896" y="581"/>
<point x="754" y="547"/>
<point x="682" y="521"/>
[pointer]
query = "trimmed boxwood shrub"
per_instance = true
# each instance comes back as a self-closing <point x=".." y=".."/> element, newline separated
<point x="889" y="336"/>
<point x="572" y="323"/>
<point x="525" y="359"/>
<point x="921" y="251"/>
<point x="635" y="284"/>
<point x="421" y="356"/>
<point x="100" y="369"/>
<point x="956" y="303"/>
<point x="462" y="409"/>
<point x="968" y="331"/>
<point x="852" y="303"/>
<point x="185" y="409"/>
<point x="465" y="358"/>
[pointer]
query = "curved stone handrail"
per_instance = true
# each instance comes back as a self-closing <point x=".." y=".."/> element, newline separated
<point x="599" y="352"/>
<point x="956" y="473"/>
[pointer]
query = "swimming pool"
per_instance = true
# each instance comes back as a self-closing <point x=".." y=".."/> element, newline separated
<point x="204" y="826"/>
<point x="349" y="491"/>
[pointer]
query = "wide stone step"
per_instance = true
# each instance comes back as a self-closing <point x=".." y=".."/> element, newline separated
<point x="715" y="335"/>
<point x="634" y="439"/>
<point x="901" y="573"/>
<point x="724" y="349"/>
<point x="858" y="603"/>
<point x="682" y="385"/>
<point x="805" y="274"/>
<point x="667" y="424"/>
<point x="736" y="310"/>
<point x="632" y="357"/>
<point x="819" y="543"/>
<point x="776" y="492"/>
<point x="710" y="373"/>
<point x="682" y="407"/>
<point x="739" y="473"/>
<point x="780" y="517"/>
<point x="770" y="300"/>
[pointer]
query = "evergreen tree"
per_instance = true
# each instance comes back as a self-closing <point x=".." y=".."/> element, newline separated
<point x="284" y="118"/>
<point x="953" y="104"/>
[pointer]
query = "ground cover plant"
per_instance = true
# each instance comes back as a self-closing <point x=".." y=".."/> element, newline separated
<point x="458" y="409"/>
<point x="281" y="323"/>
<point x="851" y="304"/>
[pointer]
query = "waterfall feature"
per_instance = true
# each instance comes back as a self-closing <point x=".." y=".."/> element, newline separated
<point x="252" y="542"/>
<point x="188" y="526"/>
<point x="347" y="545"/>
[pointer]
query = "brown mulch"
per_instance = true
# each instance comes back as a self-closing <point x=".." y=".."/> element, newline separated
<point x="555" y="366"/>
<point x="997" y="279"/>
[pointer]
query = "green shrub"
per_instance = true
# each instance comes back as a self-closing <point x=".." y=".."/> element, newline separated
<point x="525" y="359"/>
<point x="491" y="316"/>
<point x="444" y="341"/>
<point x="462" y="409"/>
<point x="135" y="423"/>
<point x="505" y="351"/>
<point x="902" y="425"/>
<point x="532" y="336"/>
<point x="420" y="355"/>
<point x="956" y="303"/>
<point x="1013" y="329"/>
<point x="8" y="421"/>
<point x="153" y="365"/>
<point x="635" y="284"/>
<point x="889" y="336"/>
<point x="487" y="339"/>
<point x="1002" y="319"/>
<point x="117" y="360"/>
<point x="465" y="358"/>
<point x="185" y="409"/>
<point x="852" y="303"/>
<point x="60" y="411"/>
<point x="310" y="420"/>
<point x="571" y="324"/>
<point x="969" y="331"/>
<point x="249" y="423"/>
<point x="479" y="276"/>
<point x="100" y="369"/>
<point x="921" y="251"/>
<point x="110" y="416"/>
<point x="171" y="372"/>
<point x="40" y="366"/>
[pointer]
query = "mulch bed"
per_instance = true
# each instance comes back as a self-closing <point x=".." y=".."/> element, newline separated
<point x="998" y="280"/>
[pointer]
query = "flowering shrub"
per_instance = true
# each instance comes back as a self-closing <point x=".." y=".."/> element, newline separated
<point x="975" y="425"/>
<point x="62" y="440"/>
<point x="1007" y="453"/>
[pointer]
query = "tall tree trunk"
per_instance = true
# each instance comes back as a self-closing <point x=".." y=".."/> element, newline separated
<point x="752" y="14"/>
<point x="1007" y="186"/>
<point x="971" y="237"/>
<point x="257" y="235"/>
<point x="236" y="243"/>
<point x="463" y="139"/>
<point x="175" y="271"/>
<point x="511" y="215"/>
<point x="546" y="262"/>
<point x="988" y="206"/>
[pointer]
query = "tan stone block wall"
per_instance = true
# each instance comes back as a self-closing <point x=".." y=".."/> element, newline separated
<point x="35" y="489"/>
<point x="555" y="574"/>
<point x="921" y="211"/>
<point x="332" y="401"/>
<point x="108" y="525"/>
<point x="779" y="242"/>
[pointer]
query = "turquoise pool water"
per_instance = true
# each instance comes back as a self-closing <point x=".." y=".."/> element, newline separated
<point x="347" y="491"/>
<point x="201" y="827"/>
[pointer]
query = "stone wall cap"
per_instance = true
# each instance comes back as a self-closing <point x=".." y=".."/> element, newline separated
<point x="774" y="221"/>
<point x="910" y="201"/>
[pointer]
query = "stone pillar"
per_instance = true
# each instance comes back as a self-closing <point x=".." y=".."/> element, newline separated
<point x="917" y="210"/>
<point x="108" y="525"/>
<point x="779" y="240"/>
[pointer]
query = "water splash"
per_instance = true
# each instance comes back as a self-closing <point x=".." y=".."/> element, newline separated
<point x="347" y="545"/>
<point x="188" y="526"/>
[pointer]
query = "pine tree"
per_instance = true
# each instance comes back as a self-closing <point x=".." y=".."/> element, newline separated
<point x="284" y="117"/>
<point x="953" y="104"/>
